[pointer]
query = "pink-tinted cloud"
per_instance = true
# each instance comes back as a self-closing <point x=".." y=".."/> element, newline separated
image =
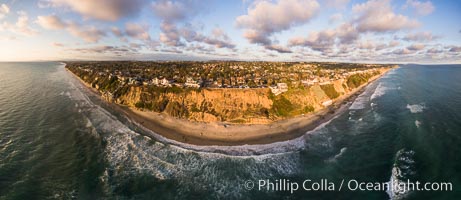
<point x="4" y="10"/>
<point x="109" y="10"/>
<point x="259" y="25"/>
<point x="421" y="8"/>
<point x="378" y="16"/>
<point x="88" y="33"/>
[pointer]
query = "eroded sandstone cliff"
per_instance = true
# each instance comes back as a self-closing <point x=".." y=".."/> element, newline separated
<point x="256" y="105"/>
<point x="233" y="105"/>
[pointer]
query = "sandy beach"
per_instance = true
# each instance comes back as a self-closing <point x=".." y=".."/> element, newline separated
<point x="226" y="134"/>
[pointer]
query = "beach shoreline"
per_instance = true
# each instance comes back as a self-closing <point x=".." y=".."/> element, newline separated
<point x="227" y="134"/>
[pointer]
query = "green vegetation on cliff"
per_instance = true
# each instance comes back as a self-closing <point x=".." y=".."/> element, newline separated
<point x="308" y="87"/>
<point x="330" y="91"/>
<point x="282" y="106"/>
<point x="357" y="80"/>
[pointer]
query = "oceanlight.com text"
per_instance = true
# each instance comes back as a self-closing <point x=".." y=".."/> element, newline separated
<point x="351" y="185"/>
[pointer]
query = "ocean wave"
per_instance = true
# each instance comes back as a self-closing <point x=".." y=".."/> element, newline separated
<point x="80" y="95"/>
<point x="363" y="99"/>
<point x="416" y="108"/>
<point x="335" y="157"/>
<point x="379" y="91"/>
<point x="130" y="154"/>
<point x="391" y="72"/>
<point x="403" y="170"/>
<point x="360" y="102"/>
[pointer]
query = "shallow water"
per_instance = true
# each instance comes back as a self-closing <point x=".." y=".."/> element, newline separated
<point x="59" y="141"/>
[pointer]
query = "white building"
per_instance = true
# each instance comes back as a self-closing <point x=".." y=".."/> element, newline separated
<point x="165" y="82"/>
<point x="283" y="87"/>
<point x="155" y="81"/>
<point x="279" y="89"/>
<point x="191" y="83"/>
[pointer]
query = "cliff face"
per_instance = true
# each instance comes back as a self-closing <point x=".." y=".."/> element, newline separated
<point x="206" y="105"/>
<point x="256" y="106"/>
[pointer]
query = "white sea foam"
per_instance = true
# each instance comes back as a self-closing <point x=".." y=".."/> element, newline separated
<point x="335" y="157"/>
<point x="417" y="123"/>
<point x="129" y="153"/>
<point x="391" y="72"/>
<point x="102" y="118"/>
<point x="379" y="91"/>
<point x="401" y="171"/>
<point x="362" y="100"/>
<point x="416" y="108"/>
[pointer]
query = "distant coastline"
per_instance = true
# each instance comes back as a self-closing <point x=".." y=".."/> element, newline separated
<point x="226" y="134"/>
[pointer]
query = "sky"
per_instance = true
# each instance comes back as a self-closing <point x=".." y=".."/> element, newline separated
<point x="372" y="31"/>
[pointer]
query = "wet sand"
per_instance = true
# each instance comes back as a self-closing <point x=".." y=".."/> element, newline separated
<point x="226" y="134"/>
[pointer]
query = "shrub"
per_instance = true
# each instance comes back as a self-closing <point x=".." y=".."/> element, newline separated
<point x="356" y="80"/>
<point x="330" y="91"/>
<point x="281" y="106"/>
<point x="308" y="109"/>
<point x="139" y="104"/>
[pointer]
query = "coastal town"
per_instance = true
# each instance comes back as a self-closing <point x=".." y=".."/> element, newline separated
<point x="226" y="94"/>
<point x="278" y="76"/>
<point x="226" y="91"/>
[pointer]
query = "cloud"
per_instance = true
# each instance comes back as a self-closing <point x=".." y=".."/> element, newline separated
<point x="335" y="18"/>
<point x="87" y="33"/>
<point x="394" y="43"/>
<point x="51" y="22"/>
<point x="172" y="10"/>
<point x="337" y="3"/>
<point x="117" y="32"/>
<point x="21" y="26"/>
<point x="57" y="44"/>
<point x="171" y="50"/>
<point x="218" y="38"/>
<point x="420" y="37"/>
<point x="137" y="31"/>
<point x="371" y="45"/>
<point x="108" y="50"/>
<point x="403" y="51"/>
<point x="416" y="47"/>
<point x="455" y="49"/>
<point x="316" y="40"/>
<point x="197" y="48"/>
<point x="4" y="10"/>
<point x="265" y="18"/>
<point x="178" y="10"/>
<point x="170" y="34"/>
<point x="377" y="16"/>
<point x="434" y="51"/>
<point x="278" y="48"/>
<point x="175" y="13"/>
<point x="324" y="41"/>
<point x="421" y="8"/>
<point x="108" y="10"/>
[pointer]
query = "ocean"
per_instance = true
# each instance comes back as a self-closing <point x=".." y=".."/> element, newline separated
<point x="60" y="141"/>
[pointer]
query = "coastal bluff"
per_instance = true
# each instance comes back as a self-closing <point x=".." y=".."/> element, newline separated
<point x="230" y="105"/>
<point x="252" y="105"/>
